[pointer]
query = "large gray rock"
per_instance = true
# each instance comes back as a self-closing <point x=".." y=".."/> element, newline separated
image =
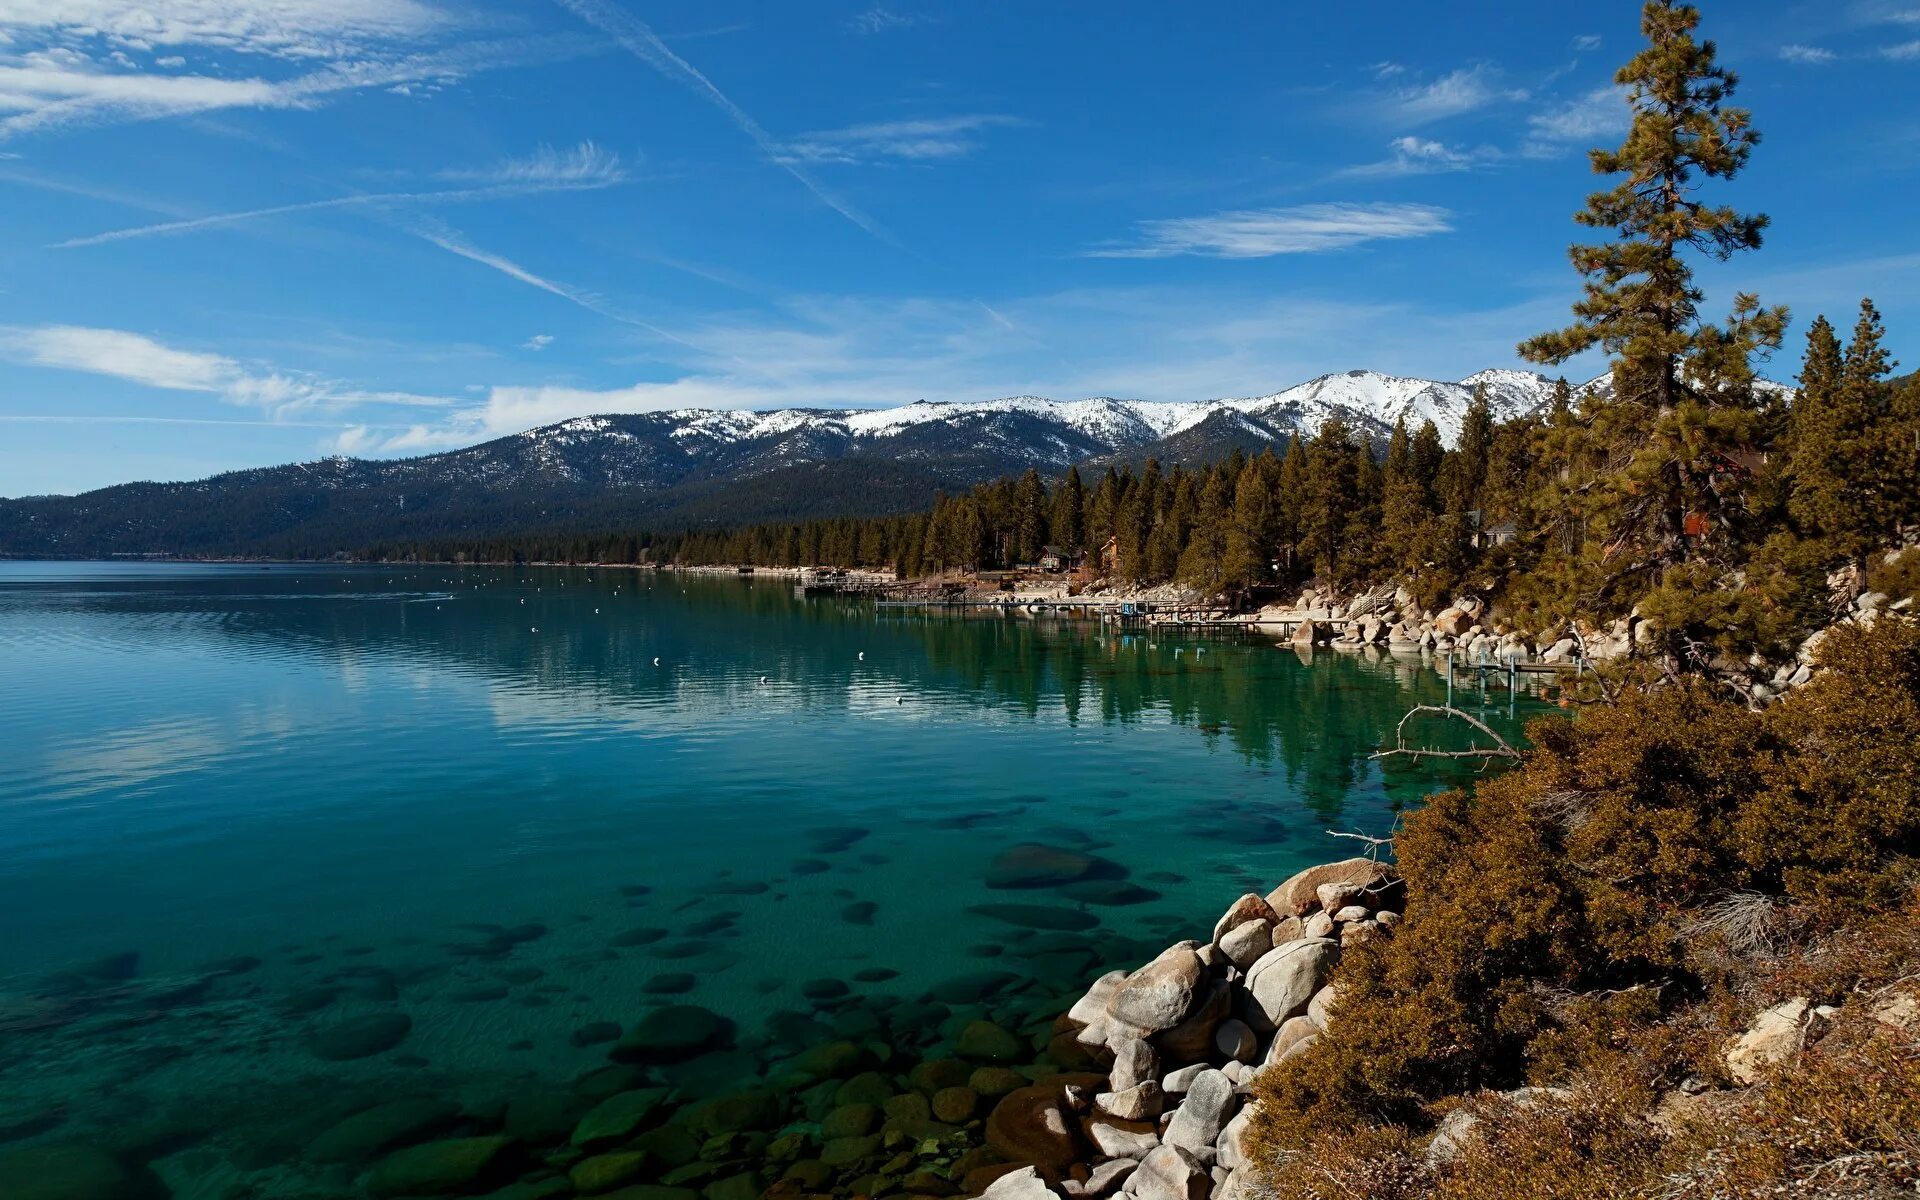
<point x="1093" y="1005"/>
<point x="1161" y="994"/>
<point x="1192" y="1039"/>
<point x="1024" y="1184"/>
<point x="1176" y="1083"/>
<point x="1170" y="1173"/>
<point x="1299" y="895"/>
<point x="1293" y="1030"/>
<point x="1134" y="1061"/>
<point x="1320" y="1008"/>
<point x="1197" y="1123"/>
<point x="1234" y="1040"/>
<point x="1141" y="1102"/>
<point x="1250" y="907"/>
<point x="1240" y="1185"/>
<point x="1231" y="1150"/>
<point x="1285" y="979"/>
<point x="1123" y="1139"/>
<point x="1246" y="942"/>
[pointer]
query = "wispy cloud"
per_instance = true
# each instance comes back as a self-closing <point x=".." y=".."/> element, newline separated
<point x="585" y="168"/>
<point x="1599" y="114"/>
<point x="298" y="29"/>
<point x="1421" y="156"/>
<point x="1809" y="55"/>
<point x="539" y="341"/>
<point x="584" y="165"/>
<point x="137" y="358"/>
<point x="1461" y="91"/>
<point x="1901" y="52"/>
<point x="50" y="88"/>
<point x="1262" y="233"/>
<point x="638" y="39"/>
<point x="923" y="140"/>
<point x="880" y="19"/>
<point x="1587" y="41"/>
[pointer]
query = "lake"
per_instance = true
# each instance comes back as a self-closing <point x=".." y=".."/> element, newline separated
<point x="278" y="843"/>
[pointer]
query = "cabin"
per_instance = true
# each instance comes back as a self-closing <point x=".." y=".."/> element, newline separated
<point x="1498" y="535"/>
<point x="1056" y="560"/>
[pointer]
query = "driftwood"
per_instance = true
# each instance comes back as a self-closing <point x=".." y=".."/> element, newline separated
<point x="1501" y="749"/>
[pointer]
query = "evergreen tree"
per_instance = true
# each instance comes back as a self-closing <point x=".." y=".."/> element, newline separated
<point x="1068" y="527"/>
<point x="1683" y="403"/>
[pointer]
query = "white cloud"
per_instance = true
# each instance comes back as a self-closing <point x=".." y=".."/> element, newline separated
<point x="281" y="28"/>
<point x="880" y="19"/>
<point x="1421" y="156"/>
<point x="1456" y="92"/>
<point x="1810" y="55"/>
<point x="912" y="141"/>
<point x="136" y="358"/>
<point x="1904" y="52"/>
<point x="1387" y="69"/>
<point x="585" y="164"/>
<point x="1599" y="115"/>
<point x="1587" y="41"/>
<point x="1261" y="233"/>
<point x="539" y="341"/>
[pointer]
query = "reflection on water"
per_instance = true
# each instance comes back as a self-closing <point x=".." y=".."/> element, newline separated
<point x="472" y="817"/>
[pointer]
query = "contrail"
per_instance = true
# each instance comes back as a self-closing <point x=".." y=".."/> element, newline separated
<point x="448" y="196"/>
<point x="453" y="243"/>
<point x="638" y="39"/>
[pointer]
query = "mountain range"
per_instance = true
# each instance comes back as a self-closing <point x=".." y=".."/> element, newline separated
<point x="678" y="469"/>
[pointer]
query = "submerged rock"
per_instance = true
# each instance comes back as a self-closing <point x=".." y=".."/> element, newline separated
<point x="367" y="1134"/>
<point x="673" y="1034"/>
<point x="1037" y="916"/>
<point x="448" y="1167"/>
<point x="1033" y="865"/>
<point x="359" y="1037"/>
<point x="71" y="1173"/>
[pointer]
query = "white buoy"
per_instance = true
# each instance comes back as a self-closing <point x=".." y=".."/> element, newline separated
<point x="656" y="662"/>
<point x="899" y="699"/>
<point x="863" y="656"/>
<point x="535" y="629"/>
<point x="763" y="679"/>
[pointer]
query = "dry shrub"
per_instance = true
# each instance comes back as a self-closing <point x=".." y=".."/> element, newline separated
<point x="1627" y="896"/>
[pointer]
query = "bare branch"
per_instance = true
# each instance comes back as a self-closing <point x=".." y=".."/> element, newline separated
<point x="1374" y="844"/>
<point x="1501" y="749"/>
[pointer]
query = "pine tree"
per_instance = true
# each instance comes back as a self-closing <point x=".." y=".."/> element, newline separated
<point x="1028" y="518"/>
<point x="1068" y="523"/>
<point x="1253" y="535"/>
<point x="1683" y="403"/>
<point x="1203" y="563"/>
<point x="1406" y="503"/>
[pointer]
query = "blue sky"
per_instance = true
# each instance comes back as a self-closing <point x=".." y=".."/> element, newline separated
<point x="240" y="232"/>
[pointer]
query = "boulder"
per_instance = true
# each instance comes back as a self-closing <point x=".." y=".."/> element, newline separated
<point x="1032" y="865"/>
<point x="1141" y="1102"/>
<point x="983" y="1041"/>
<point x="1231" y="1150"/>
<point x="1250" y="907"/>
<point x="1352" y="913"/>
<point x="1023" y="1184"/>
<point x="1093" y="1005"/>
<point x="1246" y="942"/>
<point x="1320" y="1008"/>
<point x="454" y="1166"/>
<point x="1123" y="1139"/>
<point x="1192" y="1039"/>
<point x="1285" y="979"/>
<point x="1234" y="1040"/>
<point x="369" y="1133"/>
<point x="1238" y="1185"/>
<point x="1170" y="1173"/>
<point x="1774" y="1037"/>
<point x="1197" y="1123"/>
<point x="1299" y="895"/>
<point x="1032" y="1126"/>
<point x="359" y="1037"/>
<point x="1177" y="1083"/>
<point x="619" y="1117"/>
<point x="1293" y="1030"/>
<point x="1161" y="994"/>
<point x="604" y="1172"/>
<point x="69" y="1172"/>
<point x="1452" y="622"/>
<point x="1134" y="1062"/>
<point x="673" y="1034"/>
<point x="1319" y="925"/>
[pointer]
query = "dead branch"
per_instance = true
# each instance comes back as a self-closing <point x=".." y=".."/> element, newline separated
<point x="1373" y="843"/>
<point x="1501" y="749"/>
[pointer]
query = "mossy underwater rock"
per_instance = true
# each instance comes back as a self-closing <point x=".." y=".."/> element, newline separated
<point x="674" y="1034"/>
<point x="1033" y="865"/>
<point x="451" y="1167"/>
<point x="371" y="1132"/>
<point x="618" y="1117"/>
<point x="359" y="1037"/>
<point x="604" y="1172"/>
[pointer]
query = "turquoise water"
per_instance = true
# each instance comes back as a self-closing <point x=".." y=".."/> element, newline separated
<point x="244" y="805"/>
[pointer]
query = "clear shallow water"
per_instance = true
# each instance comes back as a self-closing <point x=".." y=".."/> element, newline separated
<point x="471" y="796"/>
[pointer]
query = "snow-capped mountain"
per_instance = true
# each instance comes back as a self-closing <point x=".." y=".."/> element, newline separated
<point x="667" y="470"/>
